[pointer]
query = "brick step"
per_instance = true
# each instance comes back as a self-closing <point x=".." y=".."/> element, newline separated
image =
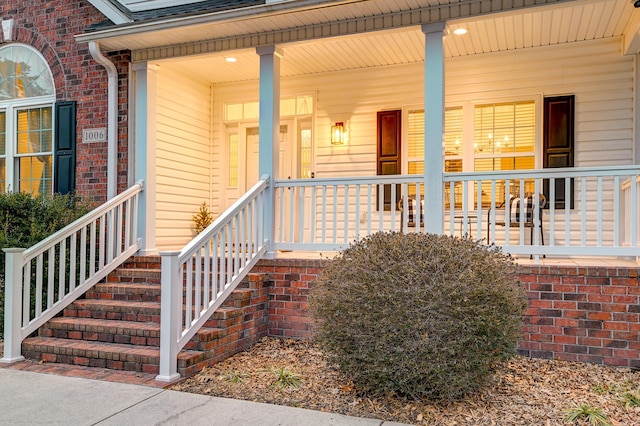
<point x="128" y="332"/>
<point x="225" y="317"/>
<point x="151" y="293"/>
<point x="135" y="275"/>
<point x="142" y="262"/>
<point x="121" y="310"/>
<point x="115" y="356"/>
<point x="101" y="330"/>
<point x="131" y="292"/>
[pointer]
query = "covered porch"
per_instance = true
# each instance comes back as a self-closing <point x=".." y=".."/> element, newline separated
<point x="439" y="132"/>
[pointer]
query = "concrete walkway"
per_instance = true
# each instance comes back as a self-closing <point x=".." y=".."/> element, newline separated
<point x="29" y="398"/>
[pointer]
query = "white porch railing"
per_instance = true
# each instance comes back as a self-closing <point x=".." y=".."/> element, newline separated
<point x="198" y="279"/>
<point x="600" y="220"/>
<point x="44" y="279"/>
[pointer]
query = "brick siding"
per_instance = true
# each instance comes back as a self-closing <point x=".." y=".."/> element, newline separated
<point x="50" y="27"/>
<point x="587" y="314"/>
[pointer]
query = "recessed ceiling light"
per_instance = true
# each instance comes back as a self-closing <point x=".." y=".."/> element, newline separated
<point x="460" y="31"/>
<point x="231" y="59"/>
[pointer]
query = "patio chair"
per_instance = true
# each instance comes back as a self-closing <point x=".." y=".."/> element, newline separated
<point x="514" y="215"/>
<point x="411" y="208"/>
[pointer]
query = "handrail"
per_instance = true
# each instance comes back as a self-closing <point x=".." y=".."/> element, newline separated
<point x="44" y="279"/>
<point x="602" y="219"/>
<point x="84" y="220"/>
<point x="206" y="271"/>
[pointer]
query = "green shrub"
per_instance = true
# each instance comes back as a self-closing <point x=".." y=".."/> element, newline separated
<point x="202" y="219"/>
<point x="422" y="316"/>
<point x="26" y="220"/>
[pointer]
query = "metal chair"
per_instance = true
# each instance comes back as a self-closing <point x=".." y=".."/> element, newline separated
<point x="515" y="214"/>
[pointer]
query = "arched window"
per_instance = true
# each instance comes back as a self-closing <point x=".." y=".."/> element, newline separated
<point x="27" y="96"/>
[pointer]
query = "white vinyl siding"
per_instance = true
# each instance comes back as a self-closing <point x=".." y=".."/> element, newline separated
<point x="595" y="72"/>
<point x="183" y="156"/>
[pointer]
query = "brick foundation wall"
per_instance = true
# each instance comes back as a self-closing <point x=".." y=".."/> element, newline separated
<point x="290" y="283"/>
<point x="587" y="314"/>
<point x="50" y="27"/>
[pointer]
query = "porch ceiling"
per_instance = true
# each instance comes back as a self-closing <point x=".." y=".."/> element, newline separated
<point x="541" y="26"/>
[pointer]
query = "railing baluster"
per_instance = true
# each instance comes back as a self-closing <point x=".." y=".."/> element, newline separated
<point x="599" y="206"/>
<point x="118" y="230"/>
<point x="346" y="213"/>
<point x="110" y="237"/>
<point x="280" y="223"/>
<point x="206" y="275"/>
<point x="335" y="213"/>
<point x="229" y="253"/>
<point x="188" y="293"/>
<point x="26" y="294"/>
<point x="567" y="212"/>
<point x="312" y="219"/>
<point x="39" y="266"/>
<point x="507" y="207"/>
<point x="62" y="269"/>
<point x="198" y="286"/>
<point x="404" y="199"/>
<point x="369" y="208"/>
<point x="357" y="212"/>
<point x="301" y="215"/>
<point x="380" y="206"/>
<point x="216" y="268"/>
<point x="392" y="207"/>
<point x="583" y="210"/>
<point x="492" y="218"/>
<point x="634" y="210"/>
<point x="521" y="193"/>
<point x="72" y="263"/>
<point x="552" y="211"/>
<point x="102" y="237"/>
<point x="83" y="255"/>
<point x="92" y="250"/>
<point x="324" y="214"/>
<point x="51" y="270"/>
<point x="617" y="214"/>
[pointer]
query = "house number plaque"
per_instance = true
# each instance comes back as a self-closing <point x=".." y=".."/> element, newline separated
<point x="94" y="135"/>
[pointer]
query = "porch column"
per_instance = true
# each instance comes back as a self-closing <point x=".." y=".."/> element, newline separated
<point x="144" y="162"/>
<point x="269" y="138"/>
<point x="433" y="126"/>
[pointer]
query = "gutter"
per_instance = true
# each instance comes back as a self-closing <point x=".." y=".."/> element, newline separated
<point x="112" y="117"/>
<point x="231" y="15"/>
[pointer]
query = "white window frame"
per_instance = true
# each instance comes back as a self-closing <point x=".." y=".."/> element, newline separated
<point x="11" y="109"/>
<point x="468" y="130"/>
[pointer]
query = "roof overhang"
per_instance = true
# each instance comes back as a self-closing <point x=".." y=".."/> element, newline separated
<point x="286" y="22"/>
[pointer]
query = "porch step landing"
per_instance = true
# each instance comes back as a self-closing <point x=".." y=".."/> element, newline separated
<point x="117" y="325"/>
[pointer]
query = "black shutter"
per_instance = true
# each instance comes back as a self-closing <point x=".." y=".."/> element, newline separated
<point x="558" y="144"/>
<point x="64" y="154"/>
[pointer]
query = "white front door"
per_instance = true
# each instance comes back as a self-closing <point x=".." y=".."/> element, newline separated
<point x="295" y="161"/>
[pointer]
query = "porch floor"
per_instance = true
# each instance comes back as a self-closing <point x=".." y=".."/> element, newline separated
<point x="521" y="260"/>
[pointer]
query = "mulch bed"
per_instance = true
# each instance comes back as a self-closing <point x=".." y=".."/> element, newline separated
<point x="523" y="392"/>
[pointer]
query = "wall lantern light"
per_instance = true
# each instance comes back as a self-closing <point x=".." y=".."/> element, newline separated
<point x="337" y="133"/>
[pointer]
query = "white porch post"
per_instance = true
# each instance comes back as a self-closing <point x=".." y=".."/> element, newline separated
<point x="269" y="142"/>
<point x="144" y="163"/>
<point x="433" y="126"/>
<point x="170" y="316"/>
<point x="13" y="305"/>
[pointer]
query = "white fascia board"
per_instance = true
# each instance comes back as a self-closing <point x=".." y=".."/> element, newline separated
<point x="111" y="11"/>
<point x="226" y="15"/>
